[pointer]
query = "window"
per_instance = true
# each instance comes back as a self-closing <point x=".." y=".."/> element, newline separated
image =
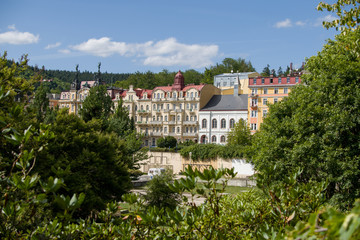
<point x="254" y="102"/>
<point x="223" y="123"/>
<point x="196" y="94"/>
<point x="222" y="139"/>
<point x="265" y="101"/>
<point x="214" y="123"/>
<point x="253" y="126"/>
<point x="253" y="113"/>
<point x="147" y="107"/>
<point x="276" y="90"/>
<point x="158" y="95"/>
<point x="213" y="139"/>
<point x="178" y="117"/>
<point x="262" y="81"/>
<point x="297" y="80"/>
<point x="265" y="91"/>
<point x="191" y="129"/>
<point x="285" y="90"/>
<point x="142" y="107"/>
<point x="174" y="106"/>
<point x="192" y="95"/>
<point x="203" y="123"/>
<point x="279" y="80"/>
<point x="154" y="107"/>
<point x="271" y="80"/>
<point x="264" y="113"/>
<point x="153" y="141"/>
<point x="195" y="129"/>
<point x="188" y="106"/>
<point x="254" y="80"/>
<point x="254" y="91"/>
<point x="232" y="123"/>
<point x="178" y="129"/>
<point x="166" y="118"/>
<point x="287" y="80"/>
<point x="186" y="129"/>
<point x="168" y="106"/>
<point x="187" y="118"/>
<point x="275" y="100"/>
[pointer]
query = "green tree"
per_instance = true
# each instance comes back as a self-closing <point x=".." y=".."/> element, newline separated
<point x="317" y="126"/>
<point x="97" y="105"/>
<point x="240" y="135"/>
<point x="41" y="102"/>
<point x="159" y="194"/>
<point x="227" y="65"/>
<point x="266" y="71"/>
<point x="89" y="160"/>
<point x="348" y="12"/>
<point x="167" y="142"/>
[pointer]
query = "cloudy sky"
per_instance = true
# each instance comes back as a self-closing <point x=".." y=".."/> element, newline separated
<point x="142" y="35"/>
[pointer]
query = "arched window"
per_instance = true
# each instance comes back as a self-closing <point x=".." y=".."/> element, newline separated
<point x="214" y="123"/>
<point x="213" y="139"/>
<point x="142" y="107"/>
<point x="203" y="139"/>
<point x="232" y="123"/>
<point x="223" y="123"/>
<point x="192" y="95"/>
<point x="187" y="118"/>
<point x="154" y="107"/>
<point x="178" y="117"/>
<point x="147" y="107"/>
<point x="178" y="129"/>
<point x="204" y="123"/>
<point x="135" y="108"/>
<point x="222" y="139"/>
<point x="158" y="95"/>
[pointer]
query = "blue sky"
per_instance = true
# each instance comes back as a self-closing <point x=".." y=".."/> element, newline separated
<point x="142" y="35"/>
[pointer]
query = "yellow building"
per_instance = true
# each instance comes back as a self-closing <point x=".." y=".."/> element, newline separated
<point x="168" y="110"/>
<point x="265" y="91"/>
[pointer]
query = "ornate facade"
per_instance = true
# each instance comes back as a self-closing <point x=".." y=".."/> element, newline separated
<point x="168" y="110"/>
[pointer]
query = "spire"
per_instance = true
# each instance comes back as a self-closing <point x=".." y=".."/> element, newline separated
<point x="75" y="85"/>
<point x="98" y="76"/>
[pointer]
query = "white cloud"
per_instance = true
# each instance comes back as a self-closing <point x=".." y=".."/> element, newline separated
<point x="166" y="52"/>
<point x="300" y="23"/>
<point x="15" y="37"/>
<point x="64" y="51"/>
<point x="327" y="18"/>
<point x="284" y="24"/>
<point x="55" y="45"/>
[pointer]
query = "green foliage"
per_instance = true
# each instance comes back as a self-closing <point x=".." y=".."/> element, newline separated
<point x="96" y="163"/>
<point x="317" y="127"/>
<point x="240" y="135"/>
<point x="227" y="65"/>
<point x="348" y="12"/>
<point x="159" y="194"/>
<point x="97" y="105"/>
<point x="166" y="142"/>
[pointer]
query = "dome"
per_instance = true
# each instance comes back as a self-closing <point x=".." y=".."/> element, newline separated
<point x="179" y="82"/>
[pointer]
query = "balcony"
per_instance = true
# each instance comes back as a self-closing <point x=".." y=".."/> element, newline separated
<point x="178" y="110"/>
<point x="156" y="134"/>
<point x="254" y="106"/>
<point x="190" y="122"/>
<point x="189" y="134"/>
<point x="143" y="111"/>
<point x="142" y="122"/>
<point x="156" y="122"/>
<point x="254" y="95"/>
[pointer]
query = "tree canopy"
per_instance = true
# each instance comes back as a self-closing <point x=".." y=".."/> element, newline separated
<point x="317" y="125"/>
